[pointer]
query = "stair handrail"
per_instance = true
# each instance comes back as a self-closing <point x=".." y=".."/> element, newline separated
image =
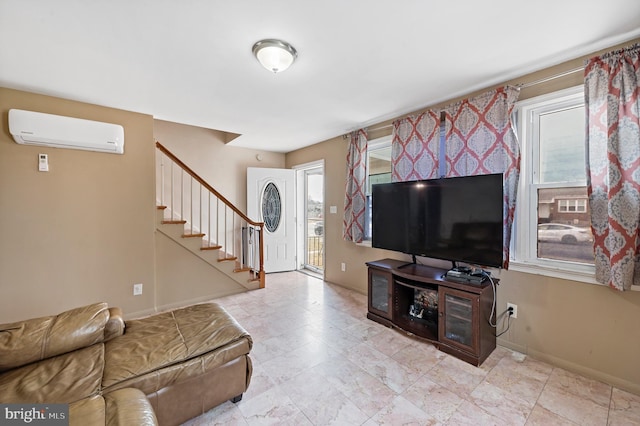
<point x="194" y="175"/>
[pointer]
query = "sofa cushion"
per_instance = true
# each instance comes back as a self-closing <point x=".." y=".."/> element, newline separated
<point x="62" y="379"/>
<point x="32" y="340"/>
<point x="156" y="351"/>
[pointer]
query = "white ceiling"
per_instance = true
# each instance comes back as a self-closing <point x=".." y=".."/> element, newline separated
<point x="360" y="61"/>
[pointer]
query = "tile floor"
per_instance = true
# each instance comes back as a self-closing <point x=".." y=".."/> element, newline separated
<point x="318" y="361"/>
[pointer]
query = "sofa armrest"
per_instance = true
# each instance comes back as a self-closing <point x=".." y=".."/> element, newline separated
<point x="128" y="406"/>
<point x="87" y="412"/>
<point x="115" y="325"/>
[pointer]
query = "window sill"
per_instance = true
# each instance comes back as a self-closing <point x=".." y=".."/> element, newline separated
<point x="555" y="272"/>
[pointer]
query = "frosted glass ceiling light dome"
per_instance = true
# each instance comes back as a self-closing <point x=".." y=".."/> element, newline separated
<point x="274" y="55"/>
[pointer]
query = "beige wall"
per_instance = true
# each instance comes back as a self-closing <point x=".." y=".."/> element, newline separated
<point x="181" y="277"/>
<point x="82" y="232"/>
<point x="582" y="327"/>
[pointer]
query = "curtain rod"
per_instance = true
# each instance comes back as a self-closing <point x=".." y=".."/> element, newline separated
<point x="370" y="129"/>
<point x="552" y="77"/>
<point x="521" y="86"/>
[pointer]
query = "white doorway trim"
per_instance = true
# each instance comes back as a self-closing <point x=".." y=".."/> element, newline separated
<point x="301" y="213"/>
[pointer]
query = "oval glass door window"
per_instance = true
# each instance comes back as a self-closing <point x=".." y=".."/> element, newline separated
<point x="271" y="207"/>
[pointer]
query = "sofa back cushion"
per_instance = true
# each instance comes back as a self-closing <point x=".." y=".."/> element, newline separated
<point x="36" y="339"/>
<point x="60" y="379"/>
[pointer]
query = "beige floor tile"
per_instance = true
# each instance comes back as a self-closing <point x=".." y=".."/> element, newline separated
<point x="458" y="376"/>
<point x="432" y="398"/>
<point x="419" y="356"/>
<point x="368" y="393"/>
<point x="521" y="377"/>
<point x="402" y="412"/>
<point x="273" y="407"/>
<point x="389" y="342"/>
<point x="390" y="372"/>
<point x="227" y="414"/>
<point x="587" y="389"/>
<point x="625" y="408"/>
<point x="542" y="417"/>
<point x="571" y="405"/>
<point x="502" y="404"/>
<point x="469" y="414"/>
<point x="322" y="402"/>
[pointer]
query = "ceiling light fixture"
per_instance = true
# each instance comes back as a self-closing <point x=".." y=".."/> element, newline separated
<point x="274" y="55"/>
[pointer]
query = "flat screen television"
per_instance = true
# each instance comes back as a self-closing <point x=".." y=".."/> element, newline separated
<point x="457" y="219"/>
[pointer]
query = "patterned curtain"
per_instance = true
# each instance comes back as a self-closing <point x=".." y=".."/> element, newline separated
<point x="612" y="99"/>
<point x="355" y="201"/>
<point x="479" y="139"/>
<point x="415" y="147"/>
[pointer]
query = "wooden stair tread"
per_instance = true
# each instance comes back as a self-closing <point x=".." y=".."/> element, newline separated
<point x="245" y="269"/>
<point x="226" y="259"/>
<point x="161" y="207"/>
<point x="192" y="235"/>
<point x="211" y="248"/>
<point x="173" y="222"/>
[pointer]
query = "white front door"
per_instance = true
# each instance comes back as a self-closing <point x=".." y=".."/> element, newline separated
<point x="271" y="199"/>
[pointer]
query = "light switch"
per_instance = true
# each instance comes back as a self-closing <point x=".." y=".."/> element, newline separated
<point x="333" y="209"/>
<point x="43" y="162"/>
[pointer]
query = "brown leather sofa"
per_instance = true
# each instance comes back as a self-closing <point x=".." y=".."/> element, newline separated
<point x="163" y="369"/>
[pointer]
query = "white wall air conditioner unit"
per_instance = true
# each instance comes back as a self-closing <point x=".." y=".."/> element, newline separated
<point x="36" y="128"/>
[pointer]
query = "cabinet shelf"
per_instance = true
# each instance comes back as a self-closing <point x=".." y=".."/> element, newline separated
<point x="462" y="304"/>
<point x="458" y="313"/>
<point x="458" y="317"/>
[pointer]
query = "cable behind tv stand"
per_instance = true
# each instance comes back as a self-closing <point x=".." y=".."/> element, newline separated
<point x="421" y="301"/>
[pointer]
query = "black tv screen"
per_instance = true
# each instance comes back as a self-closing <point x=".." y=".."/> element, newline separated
<point x="457" y="219"/>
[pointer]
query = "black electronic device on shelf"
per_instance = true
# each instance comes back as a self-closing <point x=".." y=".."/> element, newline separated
<point x="464" y="274"/>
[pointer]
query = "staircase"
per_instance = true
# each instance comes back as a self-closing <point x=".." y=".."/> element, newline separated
<point x="200" y="219"/>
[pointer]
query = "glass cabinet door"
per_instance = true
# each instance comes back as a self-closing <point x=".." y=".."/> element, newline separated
<point x="380" y="292"/>
<point x="458" y="316"/>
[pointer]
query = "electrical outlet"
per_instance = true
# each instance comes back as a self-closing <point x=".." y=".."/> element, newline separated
<point x="515" y="309"/>
<point x="343" y="267"/>
<point x="137" y="289"/>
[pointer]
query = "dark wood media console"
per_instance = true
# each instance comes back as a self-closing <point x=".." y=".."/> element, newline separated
<point x="420" y="301"/>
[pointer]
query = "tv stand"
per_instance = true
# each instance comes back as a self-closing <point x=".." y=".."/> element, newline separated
<point x="422" y="302"/>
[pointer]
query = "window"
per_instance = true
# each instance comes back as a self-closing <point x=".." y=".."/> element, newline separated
<point x="378" y="171"/>
<point x="552" y="227"/>
<point x="572" y="206"/>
